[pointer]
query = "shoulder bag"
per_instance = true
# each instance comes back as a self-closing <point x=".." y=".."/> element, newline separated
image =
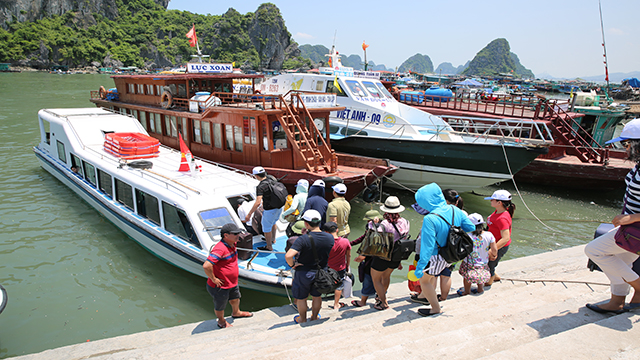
<point x="628" y="236"/>
<point x="376" y="243"/>
<point x="327" y="280"/>
<point x="459" y="243"/>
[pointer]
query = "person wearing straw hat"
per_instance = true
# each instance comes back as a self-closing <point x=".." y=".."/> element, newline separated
<point x="614" y="261"/>
<point x="381" y="269"/>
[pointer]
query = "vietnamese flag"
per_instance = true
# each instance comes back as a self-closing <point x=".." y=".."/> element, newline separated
<point x="193" y="39"/>
<point x="364" y="46"/>
<point x="184" y="151"/>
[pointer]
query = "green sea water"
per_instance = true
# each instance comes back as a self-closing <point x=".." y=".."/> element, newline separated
<point x="73" y="277"/>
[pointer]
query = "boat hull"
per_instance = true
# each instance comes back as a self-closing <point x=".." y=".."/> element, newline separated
<point x="462" y="166"/>
<point x="116" y="214"/>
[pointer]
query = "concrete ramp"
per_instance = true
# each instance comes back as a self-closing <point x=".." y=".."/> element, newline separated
<point x="539" y="314"/>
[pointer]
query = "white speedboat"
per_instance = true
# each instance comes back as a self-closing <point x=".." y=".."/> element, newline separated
<point x="109" y="161"/>
<point x="423" y="146"/>
<point x="3" y="299"/>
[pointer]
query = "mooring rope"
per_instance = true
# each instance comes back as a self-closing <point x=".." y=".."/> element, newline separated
<point x="527" y="281"/>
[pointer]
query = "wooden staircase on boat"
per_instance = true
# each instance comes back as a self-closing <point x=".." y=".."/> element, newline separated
<point x="307" y="141"/>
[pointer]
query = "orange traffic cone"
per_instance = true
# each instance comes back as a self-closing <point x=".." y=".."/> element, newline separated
<point x="184" y="164"/>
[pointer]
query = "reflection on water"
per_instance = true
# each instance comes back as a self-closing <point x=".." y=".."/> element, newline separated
<point x="72" y="276"/>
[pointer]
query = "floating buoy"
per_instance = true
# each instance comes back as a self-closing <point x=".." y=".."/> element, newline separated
<point x="166" y="99"/>
<point x="371" y="193"/>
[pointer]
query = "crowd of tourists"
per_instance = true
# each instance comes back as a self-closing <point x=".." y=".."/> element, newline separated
<point x="318" y="240"/>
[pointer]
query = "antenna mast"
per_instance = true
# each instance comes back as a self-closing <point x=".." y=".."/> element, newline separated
<point x="606" y="64"/>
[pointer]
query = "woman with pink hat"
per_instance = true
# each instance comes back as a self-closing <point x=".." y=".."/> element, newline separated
<point x="499" y="223"/>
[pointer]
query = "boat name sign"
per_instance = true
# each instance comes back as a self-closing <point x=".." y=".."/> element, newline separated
<point x="319" y="101"/>
<point x="209" y="68"/>
<point x="361" y="115"/>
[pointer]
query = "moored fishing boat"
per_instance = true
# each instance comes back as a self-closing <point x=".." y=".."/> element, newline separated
<point x="176" y="215"/>
<point x="423" y="146"/>
<point x="240" y="128"/>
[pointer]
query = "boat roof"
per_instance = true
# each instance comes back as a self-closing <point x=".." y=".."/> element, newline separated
<point x="190" y="76"/>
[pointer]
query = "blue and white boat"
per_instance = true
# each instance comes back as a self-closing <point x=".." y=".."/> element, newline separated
<point x="175" y="215"/>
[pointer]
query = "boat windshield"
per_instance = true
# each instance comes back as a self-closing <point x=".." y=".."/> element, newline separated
<point x="356" y="88"/>
<point x="384" y="90"/>
<point x="214" y="219"/>
<point x="372" y="89"/>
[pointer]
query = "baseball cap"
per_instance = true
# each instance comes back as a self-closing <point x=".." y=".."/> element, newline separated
<point x="340" y="189"/>
<point x="502" y="195"/>
<point x="303" y="182"/>
<point x="330" y="227"/>
<point x="319" y="183"/>
<point x="230" y="228"/>
<point x="311" y="216"/>
<point x="258" y="170"/>
<point x="630" y="131"/>
<point x="476" y="219"/>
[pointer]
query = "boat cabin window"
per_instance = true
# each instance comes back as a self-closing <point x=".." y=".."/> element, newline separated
<point x="237" y="134"/>
<point x="131" y="88"/>
<point x="147" y="206"/>
<point x="140" y="88"/>
<point x="332" y="89"/>
<point x="158" y="120"/>
<point x="333" y="129"/>
<point x="196" y="131"/>
<point x="384" y="90"/>
<point x="143" y="119"/>
<point x="234" y="201"/>
<point x="217" y="135"/>
<point x="320" y="85"/>
<point x="372" y="89"/>
<point x="158" y="90"/>
<point x="47" y="133"/>
<point x="351" y="131"/>
<point x="89" y="172"/>
<point x="182" y="128"/>
<point x="229" y="136"/>
<point x="124" y="193"/>
<point x="214" y="219"/>
<point x="279" y="136"/>
<point x="61" y="154"/>
<point x="356" y="88"/>
<point x="172" y="126"/>
<point x="149" y="89"/>
<point x="104" y="183"/>
<point x="206" y="133"/>
<point x="152" y="124"/>
<point x="182" y="90"/>
<point x="76" y="165"/>
<point x="177" y="223"/>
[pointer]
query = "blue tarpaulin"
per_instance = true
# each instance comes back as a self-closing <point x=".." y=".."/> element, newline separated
<point x="633" y="82"/>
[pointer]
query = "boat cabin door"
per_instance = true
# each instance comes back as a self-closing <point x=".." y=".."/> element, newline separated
<point x="250" y="139"/>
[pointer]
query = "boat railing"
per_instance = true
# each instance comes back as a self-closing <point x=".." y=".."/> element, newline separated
<point x="508" y="130"/>
<point x="235" y="100"/>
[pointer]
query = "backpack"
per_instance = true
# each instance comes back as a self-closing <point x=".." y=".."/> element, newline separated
<point x="403" y="247"/>
<point x="278" y="196"/>
<point x="327" y="280"/>
<point x="377" y="243"/>
<point x="459" y="243"/>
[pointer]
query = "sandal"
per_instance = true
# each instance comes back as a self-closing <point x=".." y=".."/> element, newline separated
<point x="379" y="306"/>
<point x="356" y="303"/>
<point x="461" y="292"/>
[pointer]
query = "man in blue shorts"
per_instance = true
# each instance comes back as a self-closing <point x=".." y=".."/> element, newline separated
<point x="301" y="258"/>
<point x="221" y="268"/>
<point x="270" y="215"/>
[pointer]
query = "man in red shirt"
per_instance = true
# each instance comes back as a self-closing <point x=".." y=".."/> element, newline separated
<point x="221" y="268"/>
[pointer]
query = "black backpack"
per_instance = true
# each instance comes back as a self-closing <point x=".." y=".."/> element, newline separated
<point x="327" y="280"/>
<point x="278" y="196"/>
<point x="459" y="243"/>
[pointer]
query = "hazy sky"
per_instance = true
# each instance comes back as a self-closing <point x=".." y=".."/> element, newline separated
<point x="561" y="38"/>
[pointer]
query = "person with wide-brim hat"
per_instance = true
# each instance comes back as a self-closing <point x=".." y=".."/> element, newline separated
<point x="381" y="269"/>
<point x="364" y="268"/>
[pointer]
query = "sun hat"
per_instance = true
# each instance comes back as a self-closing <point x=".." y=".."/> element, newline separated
<point x="297" y="227"/>
<point x="502" y="195"/>
<point x="258" y="170"/>
<point x="419" y="209"/>
<point x="340" y="189"/>
<point x="319" y="183"/>
<point x="369" y="215"/>
<point x="392" y="205"/>
<point x="311" y="216"/>
<point x="476" y="219"/>
<point x="630" y="131"/>
<point x="230" y="228"/>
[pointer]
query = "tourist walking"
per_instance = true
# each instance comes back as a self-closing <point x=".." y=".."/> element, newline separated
<point x="316" y="200"/>
<point x="298" y="201"/>
<point x="270" y="214"/>
<point x="474" y="269"/>
<point x="613" y="260"/>
<point x="433" y="234"/>
<point x="339" y="209"/>
<point x="301" y="258"/>
<point x="339" y="258"/>
<point x="364" y="266"/>
<point x="499" y="223"/>
<point x="381" y="269"/>
<point x="221" y="269"/>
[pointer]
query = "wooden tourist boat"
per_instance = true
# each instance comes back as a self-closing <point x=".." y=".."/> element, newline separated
<point x="221" y="118"/>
